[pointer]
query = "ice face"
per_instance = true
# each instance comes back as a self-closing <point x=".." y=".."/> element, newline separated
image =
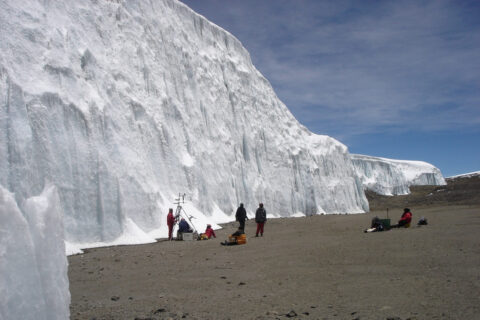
<point x="124" y="105"/>
<point x="33" y="265"/>
<point x="394" y="177"/>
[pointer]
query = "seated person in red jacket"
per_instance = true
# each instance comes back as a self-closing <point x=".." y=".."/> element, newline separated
<point x="405" y="219"/>
<point x="209" y="232"/>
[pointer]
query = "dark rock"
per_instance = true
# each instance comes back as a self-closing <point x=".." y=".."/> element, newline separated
<point x="242" y="284"/>
<point x="291" y="314"/>
<point x="115" y="298"/>
<point x="159" y="310"/>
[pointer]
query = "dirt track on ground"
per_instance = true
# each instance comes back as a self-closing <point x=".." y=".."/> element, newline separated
<point x="320" y="267"/>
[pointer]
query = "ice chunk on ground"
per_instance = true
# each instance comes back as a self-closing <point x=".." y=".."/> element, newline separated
<point x="33" y="265"/>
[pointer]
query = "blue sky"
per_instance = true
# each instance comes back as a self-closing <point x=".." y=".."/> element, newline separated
<point x="396" y="79"/>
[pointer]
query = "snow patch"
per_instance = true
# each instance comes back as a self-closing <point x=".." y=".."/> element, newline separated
<point x="466" y="175"/>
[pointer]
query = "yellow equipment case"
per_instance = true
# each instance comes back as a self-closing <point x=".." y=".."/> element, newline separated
<point x="240" y="239"/>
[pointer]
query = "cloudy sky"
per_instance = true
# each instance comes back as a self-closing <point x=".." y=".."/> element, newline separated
<point x="396" y="79"/>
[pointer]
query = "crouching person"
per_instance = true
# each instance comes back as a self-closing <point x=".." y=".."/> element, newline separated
<point x="183" y="227"/>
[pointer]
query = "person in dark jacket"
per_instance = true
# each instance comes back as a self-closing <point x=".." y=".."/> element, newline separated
<point x="260" y="219"/>
<point x="241" y="216"/>
<point x="404" y="220"/>
<point x="170" y="223"/>
<point x="184" y="227"/>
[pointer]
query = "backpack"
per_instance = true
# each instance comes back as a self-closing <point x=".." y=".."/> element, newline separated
<point x="422" y="222"/>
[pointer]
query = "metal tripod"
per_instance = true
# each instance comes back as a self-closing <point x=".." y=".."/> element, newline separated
<point x="180" y="212"/>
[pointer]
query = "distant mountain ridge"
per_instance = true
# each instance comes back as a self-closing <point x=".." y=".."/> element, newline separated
<point x="465" y="175"/>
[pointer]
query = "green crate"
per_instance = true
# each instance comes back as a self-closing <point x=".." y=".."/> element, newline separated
<point x="385" y="223"/>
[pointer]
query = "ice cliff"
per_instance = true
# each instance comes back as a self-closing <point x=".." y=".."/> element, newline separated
<point x="124" y="104"/>
<point x="394" y="177"/>
<point x="33" y="265"/>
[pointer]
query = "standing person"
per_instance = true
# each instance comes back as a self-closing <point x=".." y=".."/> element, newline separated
<point x="170" y="223"/>
<point x="404" y="220"/>
<point x="240" y="216"/>
<point x="260" y="219"/>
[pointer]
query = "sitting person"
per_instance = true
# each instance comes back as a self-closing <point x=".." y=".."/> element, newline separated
<point x="405" y="220"/>
<point x="184" y="227"/>
<point x="209" y="232"/>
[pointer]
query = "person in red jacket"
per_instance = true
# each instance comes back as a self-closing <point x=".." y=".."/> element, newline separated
<point x="404" y="220"/>
<point x="209" y="232"/>
<point x="170" y="223"/>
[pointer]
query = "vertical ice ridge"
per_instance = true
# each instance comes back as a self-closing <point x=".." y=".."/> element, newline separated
<point x="33" y="264"/>
<point x="393" y="177"/>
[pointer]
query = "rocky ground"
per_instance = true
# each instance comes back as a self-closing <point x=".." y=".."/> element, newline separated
<point x="320" y="267"/>
<point x="458" y="191"/>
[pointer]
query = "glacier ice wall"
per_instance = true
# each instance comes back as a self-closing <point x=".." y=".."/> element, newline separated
<point x="33" y="265"/>
<point x="394" y="177"/>
<point x="124" y="104"/>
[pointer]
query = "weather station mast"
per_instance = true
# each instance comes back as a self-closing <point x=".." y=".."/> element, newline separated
<point x="181" y="213"/>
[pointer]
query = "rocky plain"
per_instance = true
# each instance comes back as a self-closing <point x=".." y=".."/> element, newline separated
<point x="315" y="267"/>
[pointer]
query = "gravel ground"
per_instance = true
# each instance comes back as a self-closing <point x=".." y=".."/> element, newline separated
<point x="319" y="267"/>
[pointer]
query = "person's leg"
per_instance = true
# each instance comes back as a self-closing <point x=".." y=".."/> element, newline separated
<point x="242" y="224"/>
<point x="170" y="229"/>
<point x="261" y="228"/>
<point x="401" y="223"/>
<point x="258" y="229"/>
